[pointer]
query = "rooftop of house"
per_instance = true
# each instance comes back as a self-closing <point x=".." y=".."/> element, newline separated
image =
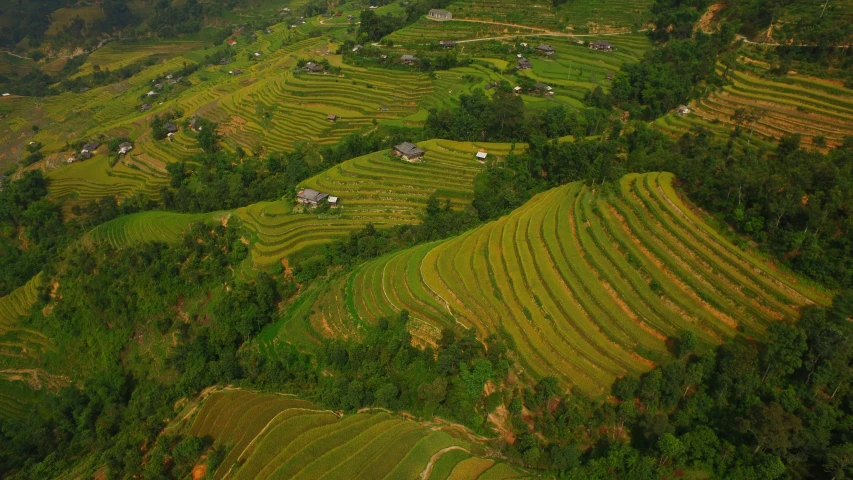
<point x="91" y="146"/>
<point x="170" y="127"/>
<point x="311" y="195"/>
<point x="313" y="67"/>
<point x="545" y="48"/>
<point x="409" y="149"/>
<point x="409" y="58"/>
<point x="436" y="11"/>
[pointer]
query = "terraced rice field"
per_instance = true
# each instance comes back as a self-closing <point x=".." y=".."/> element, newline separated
<point x="589" y="286"/>
<point x="376" y="188"/>
<point x="580" y="15"/>
<point x="17" y="343"/>
<point x="799" y="105"/>
<point x="575" y="70"/>
<point x="275" y="436"/>
<point x="429" y="31"/>
<point x="15" y="399"/>
<point x="153" y="226"/>
<point x="94" y="178"/>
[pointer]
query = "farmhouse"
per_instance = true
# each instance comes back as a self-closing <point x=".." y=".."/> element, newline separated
<point x="481" y="156"/>
<point x="517" y="90"/>
<point x="7" y="94"/>
<point x="332" y="118"/>
<point x="683" y="110"/>
<point x="544" y="89"/>
<point x="232" y="42"/>
<point x="409" y="59"/>
<point x="124" y="147"/>
<point x="257" y="54"/>
<point x="310" y="197"/>
<point x="90" y="147"/>
<point x="447" y="43"/>
<point x="152" y="93"/>
<point x="312" y="67"/>
<point x="408" y="151"/>
<point x="145" y="107"/>
<point x="333" y="201"/>
<point x="442" y="15"/>
<point x="546" y="49"/>
<point x="357" y="48"/>
<point x="602" y="45"/>
<point x="524" y="64"/>
<point x="170" y="127"/>
<point x="195" y="125"/>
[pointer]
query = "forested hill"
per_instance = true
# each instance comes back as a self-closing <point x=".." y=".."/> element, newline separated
<point x="432" y="239"/>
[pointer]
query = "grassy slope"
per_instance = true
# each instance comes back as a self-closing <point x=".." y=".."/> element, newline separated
<point x="589" y="286"/>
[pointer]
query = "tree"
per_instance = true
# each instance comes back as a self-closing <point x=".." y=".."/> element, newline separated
<point x="772" y="427"/>
<point x="670" y="448"/>
<point x="687" y="343"/>
<point x="785" y="349"/>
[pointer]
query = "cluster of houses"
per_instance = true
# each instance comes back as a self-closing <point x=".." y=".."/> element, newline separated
<point x="602" y="46"/>
<point x="91" y="148"/>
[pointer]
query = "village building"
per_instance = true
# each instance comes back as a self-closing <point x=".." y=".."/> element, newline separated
<point x="332" y="118"/>
<point x="481" y="156"/>
<point x="170" y="127"/>
<point x="350" y="17"/>
<point x="90" y="147"/>
<point x="236" y="71"/>
<point x="546" y="49"/>
<point x="357" y="48"/>
<point x="408" y="151"/>
<point x="409" y="59"/>
<point x="517" y="90"/>
<point x="447" y="43"/>
<point x="145" y="107"/>
<point x="301" y="20"/>
<point x="524" y="64"/>
<point x="83" y="155"/>
<point x="124" y="147"/>
<point x="7" y="94"/>
<point x="269" y="30"/>
<point x="310" y="197"/>
<point x="152" y="93"/>
<point x="284" y="10"/>
<point x="442" y="15"/>
<point x="232" y="42"/>
<point x="683" y="110"/>
<point x="601" y="45"/>
<point x="195" y="125"/>
<point x="312" y="67"/>
<point x="544" y="89"/>
<point x="333" y="201"/>
<point x="158" y="86"/>
<point x="257" y="54"/>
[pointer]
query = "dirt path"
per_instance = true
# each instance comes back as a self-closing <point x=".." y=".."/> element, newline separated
<point x="428" y="469"/>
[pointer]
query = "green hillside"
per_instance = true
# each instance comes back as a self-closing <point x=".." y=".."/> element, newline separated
<point x="589" y="285"/>
<point x="275" y="436"/>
